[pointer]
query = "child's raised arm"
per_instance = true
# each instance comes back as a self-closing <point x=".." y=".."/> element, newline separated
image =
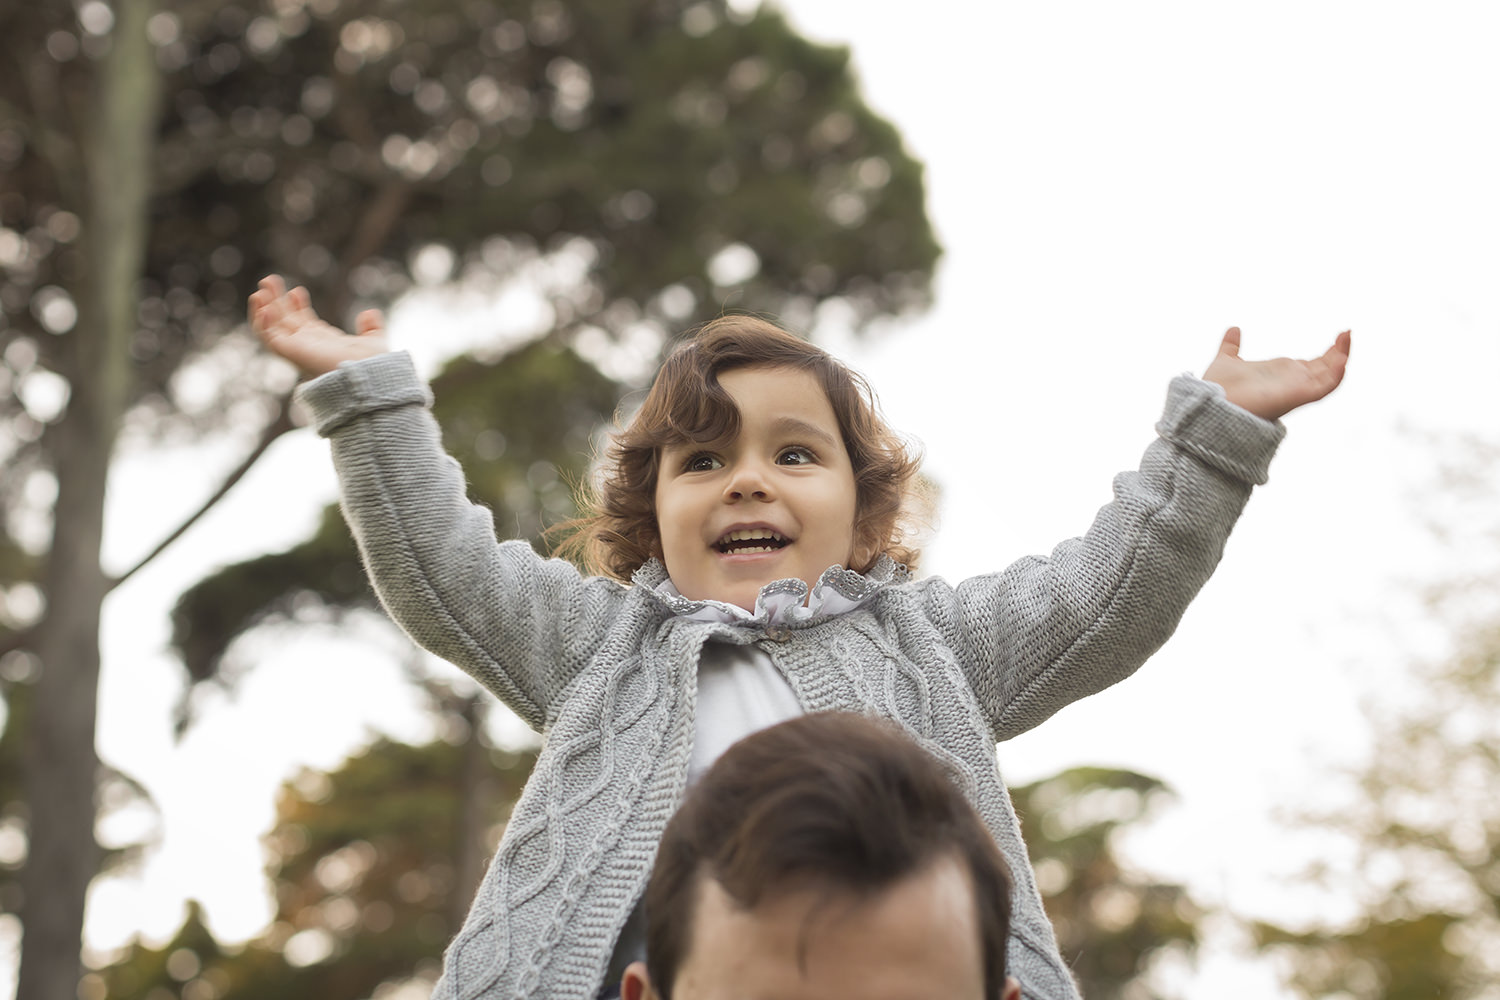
<point x="1272" y="389"/>
<point x="285" y="322"/>
<point x="1050" y="630"/>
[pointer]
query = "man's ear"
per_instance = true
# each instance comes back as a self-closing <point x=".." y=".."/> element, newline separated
<point x="636" y="983"/>
<point x="1012" y="990"/>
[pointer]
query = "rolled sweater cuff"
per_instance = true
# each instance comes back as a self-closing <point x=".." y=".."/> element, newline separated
<point x="1201" y="421"/>
<point x="358" y="387"/>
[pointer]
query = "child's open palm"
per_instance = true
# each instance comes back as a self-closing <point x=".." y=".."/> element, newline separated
<point x="1272" y="389"/>
<point x="286" y="323"/>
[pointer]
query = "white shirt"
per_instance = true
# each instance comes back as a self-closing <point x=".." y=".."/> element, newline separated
<point x="740" y="691"/>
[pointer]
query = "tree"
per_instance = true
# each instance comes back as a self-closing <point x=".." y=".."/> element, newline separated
<point x="1422" y="814"/>
<point x="1110" y="923"/>
<point x="362" y="864"/>
<point x="104" y="165"/>
<point x="367" y="891"/>
<point x="1425" y="823"/>
<point x="639" y="163"/>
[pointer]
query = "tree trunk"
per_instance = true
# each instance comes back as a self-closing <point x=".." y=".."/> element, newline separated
<point x="474" y="800"/>
<point x="60" y="764"/>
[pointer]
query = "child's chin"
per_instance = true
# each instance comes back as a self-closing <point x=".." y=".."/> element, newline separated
<point x="744" y="599"/>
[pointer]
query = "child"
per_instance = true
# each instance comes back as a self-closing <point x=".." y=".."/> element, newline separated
<point x="748" y="530"/>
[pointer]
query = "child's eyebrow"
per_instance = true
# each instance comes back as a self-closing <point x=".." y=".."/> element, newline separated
<point x="801" y="428"/>
<point x="781" y="426"/>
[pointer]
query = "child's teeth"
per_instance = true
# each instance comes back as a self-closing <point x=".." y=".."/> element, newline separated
<point x="732" y="541"/>
<point x="744" y="535"/>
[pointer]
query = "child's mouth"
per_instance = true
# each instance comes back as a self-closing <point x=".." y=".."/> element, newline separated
<point x="749" y="541"/>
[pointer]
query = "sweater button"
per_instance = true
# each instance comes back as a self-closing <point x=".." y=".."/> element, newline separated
<point x="778" y="633"/>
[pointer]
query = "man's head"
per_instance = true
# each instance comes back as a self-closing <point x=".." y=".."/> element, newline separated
<point x="832" y="857"/>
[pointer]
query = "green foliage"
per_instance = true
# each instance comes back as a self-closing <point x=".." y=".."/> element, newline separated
<point x="332" y="141"/>
<point x="362" y="863"/>
<point x="367" y="886"/>
<point x="152" y="973"/>
<point x="1425" y="821"/>
<point x="329" y="578"/>
<point x="1110" y="922"/>
<point x="1422" y="813"/>
<point x="1395" y="959"/>
<point x="520" y="428"/>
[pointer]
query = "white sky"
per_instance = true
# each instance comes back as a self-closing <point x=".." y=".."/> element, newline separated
<point x="1114" y="185"/>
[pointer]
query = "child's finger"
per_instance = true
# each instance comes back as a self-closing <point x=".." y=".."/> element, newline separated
<point x="272" y="311"/>
<point x="1337" y="355"/>
<point x="1340" y="345"/>
<point x="263" y="312"/>
<point x="1327" y="371"/>
<point x="267" y="298"/>
<point x="1338" y="351"/>
<point x="369" y="322"/>
<point x="1230" y="345"/>
<point x="296" y="309"/>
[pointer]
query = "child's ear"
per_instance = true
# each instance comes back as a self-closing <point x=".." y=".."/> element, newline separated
<point x="636" y="983"/>
<point x="867" y="549"/>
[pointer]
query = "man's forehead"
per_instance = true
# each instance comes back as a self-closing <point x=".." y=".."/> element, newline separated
<point x="914" y="939"/>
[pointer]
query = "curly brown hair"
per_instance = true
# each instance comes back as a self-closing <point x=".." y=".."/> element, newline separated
<point x="618" y="532"/>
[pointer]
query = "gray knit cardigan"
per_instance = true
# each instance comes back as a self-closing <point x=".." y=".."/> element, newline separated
<point x="607" y="672"/>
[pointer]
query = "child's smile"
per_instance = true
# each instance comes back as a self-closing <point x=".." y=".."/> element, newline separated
<point x="751" y="540"/>
<point x="777" y="501"/>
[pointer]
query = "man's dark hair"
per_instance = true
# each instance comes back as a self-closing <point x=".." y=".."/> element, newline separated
<point x="830" y="801"/>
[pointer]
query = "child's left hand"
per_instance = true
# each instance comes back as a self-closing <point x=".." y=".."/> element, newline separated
<point x="1272" y="389"/>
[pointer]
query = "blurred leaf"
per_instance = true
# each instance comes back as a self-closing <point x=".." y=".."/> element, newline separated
<point x="322" y="576"/>
<point x="1423" y="813"/>
<point x="333" y="142"/>
<point x="363" y="865"/>
<point x="1110" y="922"/>
<point x="1401" y="959"/>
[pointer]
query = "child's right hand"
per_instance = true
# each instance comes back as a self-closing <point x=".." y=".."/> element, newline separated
<point x="285" y="322"/>
<point x="1272" y="389"/>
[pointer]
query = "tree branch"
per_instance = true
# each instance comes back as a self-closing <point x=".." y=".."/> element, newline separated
<point x="274" y="430"/>
<point x="45" y="115"/>
<point x="381" y="215"/>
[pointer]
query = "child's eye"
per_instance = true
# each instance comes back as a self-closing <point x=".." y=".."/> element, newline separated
<point x="795" y="456"/>
<point x="702" y="462"/>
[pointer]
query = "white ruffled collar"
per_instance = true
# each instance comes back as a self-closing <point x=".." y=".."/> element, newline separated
<point x="780" y="602"/>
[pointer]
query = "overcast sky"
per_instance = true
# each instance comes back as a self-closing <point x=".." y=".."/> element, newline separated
<point x="1114" y="185"/>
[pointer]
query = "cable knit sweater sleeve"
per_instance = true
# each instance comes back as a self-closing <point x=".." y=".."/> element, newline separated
<point x="1047" y="631"/>
<point x="497" y="610"/>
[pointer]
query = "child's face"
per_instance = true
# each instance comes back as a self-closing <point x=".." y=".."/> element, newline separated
<point x="785" y="475"/>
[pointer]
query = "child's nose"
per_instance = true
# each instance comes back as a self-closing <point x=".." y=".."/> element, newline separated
<point x="748" y="482"/>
